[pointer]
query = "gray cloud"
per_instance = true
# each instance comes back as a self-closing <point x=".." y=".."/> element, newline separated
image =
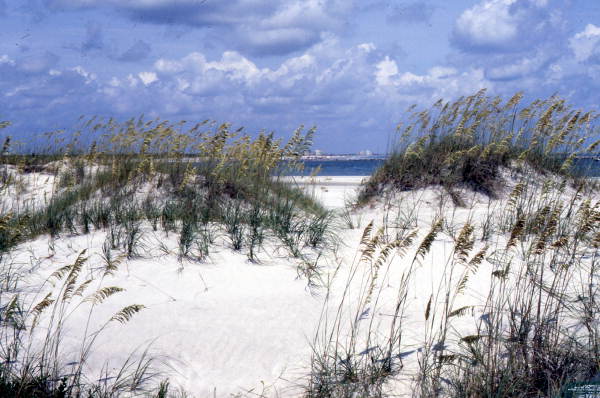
<point x="594" y="55"/>
<point x="37" y="98"/>
<point x="198" y="13"/>
<point x="36" y="63"/>
<point x="138" y="51"/>
<point x="504" y="69"/>
<point x="410" y="12"/>
<point x="275" y="27"/>
<point x="93" y="39"/>
<point x="277" y="41"/>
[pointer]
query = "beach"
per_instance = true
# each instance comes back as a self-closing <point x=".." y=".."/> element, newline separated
<point x="226" y="325"/>
<point x="223" y="326"/>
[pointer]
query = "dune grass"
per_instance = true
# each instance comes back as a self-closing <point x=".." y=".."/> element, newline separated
<point x="530" y="328"/>
<point x="529" y="324"/>
<point x="179" y="179"/>
<point x="128" y="179"/>
<point x="469" y="141"/>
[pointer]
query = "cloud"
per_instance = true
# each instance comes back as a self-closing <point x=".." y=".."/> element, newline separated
<point x="147" y="77"/>
<point x="505" y="26"/>
<point x="279" y="41"/>
<point x="254" y="27"/>
<point x="321" y="86"/>
<point x="439" y="82"/>
<point x="349" y="92"/>
<point x="93" y="39"/>
<point x="594" y="58"/>
<point x="413" y="12"/>
<point x="37" y="97"/>
<point x="37" y="63"/>
<point x="140" y="50"/>
<point x="352" y="92"/>
<point x="585" y="43"/>
<point x="519" y="68"/>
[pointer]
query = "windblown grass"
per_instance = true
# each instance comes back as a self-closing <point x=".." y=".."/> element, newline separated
<point x="127" y="179"/>
<point x="31" y="338"/>
<point x="112" y="175"/>
<point x="511" y="306"/>
<point x="467" y="143"/>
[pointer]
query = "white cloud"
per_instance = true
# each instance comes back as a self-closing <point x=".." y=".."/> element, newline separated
<point x="147" y="77"/>
<point x="367" y="47"/>
<point x="584" y="42"/>
<point x="519" y="68"/>
<point x="5" y="59"/>
<point x="505" y="25"/>
<point x="88" y="76"/>
<point x="488" y="23"/>
<point x="37" y="63"/>
<point x="386" y="69"/>
<point x="132" y="80"/>
<point x="438" y="82"/>
<point x="236" y="66"/>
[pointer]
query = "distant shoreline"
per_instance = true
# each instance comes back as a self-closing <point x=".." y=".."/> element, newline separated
<point x="343" y="157"/>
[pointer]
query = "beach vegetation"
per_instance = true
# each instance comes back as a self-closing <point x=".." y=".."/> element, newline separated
<point x="471" y="141"/>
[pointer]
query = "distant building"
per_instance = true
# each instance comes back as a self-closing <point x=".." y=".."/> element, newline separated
<point x="318" y="152"/>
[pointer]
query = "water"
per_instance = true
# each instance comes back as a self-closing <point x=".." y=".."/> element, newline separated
<point x="365" y="167"/>
<point x="589" y="167"/>
<point x="341" y="167"/>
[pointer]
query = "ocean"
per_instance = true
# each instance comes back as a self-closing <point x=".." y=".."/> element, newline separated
<point x="367" y="166"/>
<point x="341" y="167"/>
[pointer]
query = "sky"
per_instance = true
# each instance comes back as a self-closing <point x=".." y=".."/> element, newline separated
<point x="349" y="67"/>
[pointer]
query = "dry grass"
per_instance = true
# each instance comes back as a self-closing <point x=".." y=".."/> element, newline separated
<point x="469" y="141"/>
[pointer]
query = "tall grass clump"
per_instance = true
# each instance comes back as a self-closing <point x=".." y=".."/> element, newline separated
<point x="132" y="181"/>
<point x="538" y="329"/>
<point x="513" y="315"/>
<point x="32" y="337"/>
<point x="499" y="299"/>
<point x="187" y="180"/>
<point x="467" y="143"/>
<point x="354" y="354"/>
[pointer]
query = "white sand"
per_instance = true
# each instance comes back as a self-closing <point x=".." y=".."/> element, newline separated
<point x="229" y="326"/>
<point x="332" y="191"/>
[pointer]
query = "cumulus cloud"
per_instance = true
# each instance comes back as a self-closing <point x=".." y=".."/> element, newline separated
<point x="505" y="25"/>
<point x="585" y="43"/>
<point x="438" y="82"/>
<point x="147" y="77"/>
<point x="321" y="85"/>
<point x="347" y="89"/>
<point x="521" y="43"/>
<point x="343" y="89"/>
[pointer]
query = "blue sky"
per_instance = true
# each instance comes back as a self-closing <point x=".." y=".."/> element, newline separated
<point x="350" y="67"/>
